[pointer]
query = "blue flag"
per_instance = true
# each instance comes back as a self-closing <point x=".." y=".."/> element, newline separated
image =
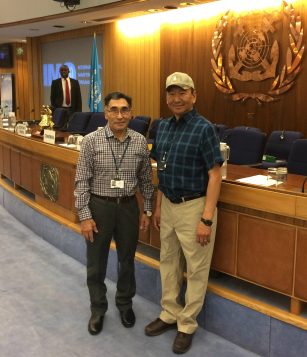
<point x="94" y="94"/>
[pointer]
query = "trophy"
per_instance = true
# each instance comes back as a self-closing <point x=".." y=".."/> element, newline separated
<point x="46" y="118"/>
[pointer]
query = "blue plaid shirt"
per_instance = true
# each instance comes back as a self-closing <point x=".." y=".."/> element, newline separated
<point x="190" y="148"/>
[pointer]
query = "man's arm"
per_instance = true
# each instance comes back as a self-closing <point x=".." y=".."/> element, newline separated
<point x="212" y="196"/>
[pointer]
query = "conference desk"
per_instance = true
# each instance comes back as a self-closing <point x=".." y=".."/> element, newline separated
<point x="261" y="234"/>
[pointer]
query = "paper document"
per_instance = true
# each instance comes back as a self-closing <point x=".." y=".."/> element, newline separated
<point x="260" y="180"/>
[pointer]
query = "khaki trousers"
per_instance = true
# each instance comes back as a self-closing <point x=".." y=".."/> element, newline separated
<point x="179" y="247"/>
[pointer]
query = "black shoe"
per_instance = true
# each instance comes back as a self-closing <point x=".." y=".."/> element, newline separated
<point x="127" y="318"/>
<point x="95" y="324"/>
<point x="182" y="343"/>
<point x="157" y="327"/>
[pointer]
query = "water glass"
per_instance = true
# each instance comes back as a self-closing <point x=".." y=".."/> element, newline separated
<point x="272" y="173"/>
<point x="281" y="174"/>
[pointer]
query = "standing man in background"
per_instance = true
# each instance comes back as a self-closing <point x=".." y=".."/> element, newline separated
<point x="113" y="163"/>
<point x="188" y="161"/>
<point x="65" y="92"/>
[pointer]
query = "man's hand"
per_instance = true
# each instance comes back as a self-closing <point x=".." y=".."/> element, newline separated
<point x="157" y="218"/>
<point x="145" y="222"/>
<point x="88" y="226"/>
<point x="203" y="234"/>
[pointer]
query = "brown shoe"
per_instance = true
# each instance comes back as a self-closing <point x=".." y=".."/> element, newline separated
<point x="157" y="327"/>
<point x="182" y="342"/>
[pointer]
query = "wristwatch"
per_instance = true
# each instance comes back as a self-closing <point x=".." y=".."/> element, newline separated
<point x="206" y="222"/>
<point x="148" y="213"/>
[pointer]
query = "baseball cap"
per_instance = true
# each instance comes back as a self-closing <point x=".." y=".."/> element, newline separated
<point x="179" y="79"/>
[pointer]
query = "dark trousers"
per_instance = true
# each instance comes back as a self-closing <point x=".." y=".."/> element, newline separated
<point x="120" y="221"/>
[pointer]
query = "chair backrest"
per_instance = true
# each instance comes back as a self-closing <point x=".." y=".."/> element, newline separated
<point x="297" y="160"/>
<point x="153" y="128"/>
<point x="78" y="122"/>
<point x="96" y="120"/>
<point x="250" y="128"/>
<point x="138" y="125"/>
<point x="246" y="146"/>
<point x="60" y="118"/>
<point x="220" y="129"/>
<point x="279" y="143"/>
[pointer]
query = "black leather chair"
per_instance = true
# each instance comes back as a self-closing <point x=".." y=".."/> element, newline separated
<point x="96" y="120"/>
<point x="297" y="161"/>
<point x="138" y="125"/>
<point x="78" y="122"/>
<point x="153" y="130"/>
<point x="220" y="130"/>
<point x="246" y="146"/>
<point x="279" y="145"/>
<point x="145" y="118"/>
<point x="60" y="118"/>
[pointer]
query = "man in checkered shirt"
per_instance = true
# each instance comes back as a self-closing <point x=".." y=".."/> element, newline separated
<point x="114" y="163"/>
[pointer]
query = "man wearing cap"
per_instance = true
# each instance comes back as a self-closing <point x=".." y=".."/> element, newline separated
<point x="188" y="161"/>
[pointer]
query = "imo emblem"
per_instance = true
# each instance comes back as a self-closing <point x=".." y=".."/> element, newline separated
<point x="254" y="53"/>
<point x="49" y="181"/>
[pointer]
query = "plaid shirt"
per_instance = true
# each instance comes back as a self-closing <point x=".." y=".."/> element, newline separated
<point x="191" y="149"/>
<point x="96" y="168"/>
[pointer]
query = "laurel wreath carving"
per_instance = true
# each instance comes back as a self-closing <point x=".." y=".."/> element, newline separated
<point x="282" y="82"/>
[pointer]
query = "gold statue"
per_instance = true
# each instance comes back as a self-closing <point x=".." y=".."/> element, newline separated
<point x="46" y="118"/>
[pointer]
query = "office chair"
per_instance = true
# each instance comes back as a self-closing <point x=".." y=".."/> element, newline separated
<point x="96" y="120"/>
<point x="146" y="119"/>
<point x="220" y="129"/>
<point x="153" y="130"/>
<point x="250" y="128"/>
<point x="246" y="146"/>
<point x="278" y="145"/>
<point x="60" y="118"/>
<point x="297" y="161"/>
<point x="138" y="125"/>
<point x="78" y="122"/>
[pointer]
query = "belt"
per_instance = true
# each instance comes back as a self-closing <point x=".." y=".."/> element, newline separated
<point x="187" y="198"/>
<point x="118" y="200"/>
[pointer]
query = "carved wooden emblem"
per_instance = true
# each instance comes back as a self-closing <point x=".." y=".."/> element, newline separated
<point x="49" y="181"/>
<point x="254" y="53"/>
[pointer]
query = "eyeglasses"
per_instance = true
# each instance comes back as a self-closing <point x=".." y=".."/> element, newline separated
<point x="124" y="111"/>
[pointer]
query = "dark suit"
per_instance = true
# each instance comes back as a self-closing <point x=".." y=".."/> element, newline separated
<point x="56" y="95"/>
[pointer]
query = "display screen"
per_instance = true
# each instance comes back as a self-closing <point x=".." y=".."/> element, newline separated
<point x="6" y="56"/>
<point x="76" y="54"/>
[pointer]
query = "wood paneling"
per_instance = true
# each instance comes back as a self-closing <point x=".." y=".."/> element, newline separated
<point x="300" y="287"/>
<point x="132" y="65"/>
<point x="15" y="166"/>
<point x="225" y="247"/>
<point x="266" y="253"/>
<point x="187" y="48"/>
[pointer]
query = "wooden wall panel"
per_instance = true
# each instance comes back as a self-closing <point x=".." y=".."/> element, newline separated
<point x="132" y="65"/>
<point x="26" y="171"/>
<point x="187" y="47"/>
<point x="6" y="151"/>
<point x="15" y="166"/>
<point x="225" y="247"/>
<point x="266" y="253"/>
<point x="300" y="288"/>
<point x="140" y="65"/>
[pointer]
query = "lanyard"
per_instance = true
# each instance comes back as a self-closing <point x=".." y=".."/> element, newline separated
<point x="118" y="165"/>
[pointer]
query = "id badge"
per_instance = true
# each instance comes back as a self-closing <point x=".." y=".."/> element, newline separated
<point x="161" y="165"/>
<point x="117" y="184"/>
